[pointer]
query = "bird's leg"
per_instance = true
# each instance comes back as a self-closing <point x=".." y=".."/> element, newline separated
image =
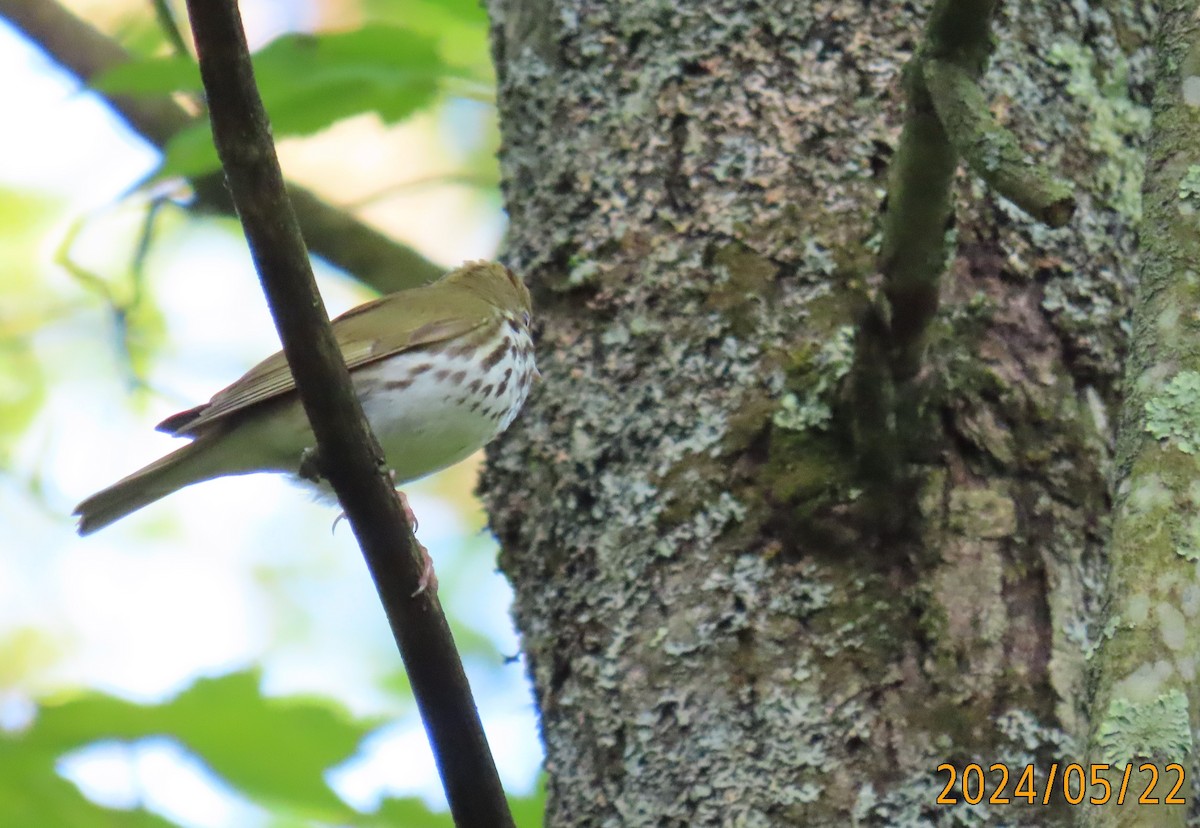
<point x="428" y="579"/>
<point x="408" y="512"/>
<point x="310" y="470"/>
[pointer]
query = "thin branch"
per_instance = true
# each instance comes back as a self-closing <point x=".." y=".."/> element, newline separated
<point x="350" y="456"/>
<point x="170" y="27"/>
<point x="992" y="151"/>
<point x="914" y="249"/>
<point x="119" y="307"/>
<point x="333" y="234"/>
<point x="400" y="188"/>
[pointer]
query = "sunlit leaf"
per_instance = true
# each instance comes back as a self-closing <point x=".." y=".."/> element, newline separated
<point x="134" y="26"/>
<point x="33" y="795"/>
<point x="151" y="76"/>
<point x="22" y="392"/>
<point x="530" y="811"/>
<point x="527" y="812"/>
<point x="23" y="651"/>
<point x="118" y="283"/>
<point x="269" y="748"/>
<point x="311" y="81"/>
<point x="25" y="217"/>
<point x="411" y="813"/>
<point x="307" y="83"/>
<point x="460" y="26"/>
<point x="276" y="751"/>
<point x="26" y="305"/>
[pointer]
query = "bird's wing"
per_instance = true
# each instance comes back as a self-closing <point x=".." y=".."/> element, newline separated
<point x="271" y="378"/>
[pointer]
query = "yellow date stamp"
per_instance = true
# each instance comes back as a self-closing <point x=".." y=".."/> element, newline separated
<point x="1074" y="782"/>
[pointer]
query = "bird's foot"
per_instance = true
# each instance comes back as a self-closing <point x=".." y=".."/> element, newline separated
<point x="428" y="579"/>
<point x="408" y="512"/>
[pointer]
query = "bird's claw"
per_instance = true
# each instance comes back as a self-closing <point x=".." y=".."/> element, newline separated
<point x="408" y="512"/>
<point x="428" y="579"/>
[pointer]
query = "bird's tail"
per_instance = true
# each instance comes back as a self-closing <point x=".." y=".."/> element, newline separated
<point x="182" y="467"/>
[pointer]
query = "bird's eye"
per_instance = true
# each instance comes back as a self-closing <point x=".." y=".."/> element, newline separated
<point x="525" y="316"/>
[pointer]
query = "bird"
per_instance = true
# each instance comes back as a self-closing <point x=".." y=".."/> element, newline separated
<point x="440" y="370"/>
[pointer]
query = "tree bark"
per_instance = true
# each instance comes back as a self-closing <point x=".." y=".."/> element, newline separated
<point x="719" y="627"/>
<point x="1145" y="702"/>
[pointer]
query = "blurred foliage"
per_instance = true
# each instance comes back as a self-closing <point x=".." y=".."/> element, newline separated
<point x="274" y="752"/>
<point x="216" y="719"/>
<point x="411" y="813"/>
<point x="23" y="651"/>
<point x="460" y="26"/>
<point x="311" y="81"/>
<point x="24" y="218"/>
<point x="135" y="321"/>
<point x="406" y="57"/>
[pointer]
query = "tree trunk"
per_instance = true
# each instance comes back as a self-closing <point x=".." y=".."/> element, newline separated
<point x="722" y="626"/>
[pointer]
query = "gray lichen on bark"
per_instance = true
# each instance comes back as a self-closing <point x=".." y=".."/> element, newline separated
<point x="714" y="634"/>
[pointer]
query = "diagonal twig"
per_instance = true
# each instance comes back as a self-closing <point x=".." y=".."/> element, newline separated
<point x="990" y="150"/>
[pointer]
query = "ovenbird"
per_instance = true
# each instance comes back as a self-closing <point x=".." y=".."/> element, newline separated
<point x="439" y="369"/>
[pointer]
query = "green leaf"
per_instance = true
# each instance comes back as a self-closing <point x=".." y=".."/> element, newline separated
<point x="23" y="651"/>
<point x="530" y="811"/>
<point x="310" y="81"/>
<point x="27" y="305"/>
<point x="32" y="794"/>
<point x="151" y="76"/>
<point x="410" y="813"/>
<point x="275" y="751"/>
<point x="527" y="811"/>
<point x="22" y="392"/>
<point x="307" y="83"/>
<point x="190" y="153"/>
<point x="135" y="29"/>
<point x="272" y="749"/>
<point x="460" y="26"/>
<point x="424" y="15"/>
